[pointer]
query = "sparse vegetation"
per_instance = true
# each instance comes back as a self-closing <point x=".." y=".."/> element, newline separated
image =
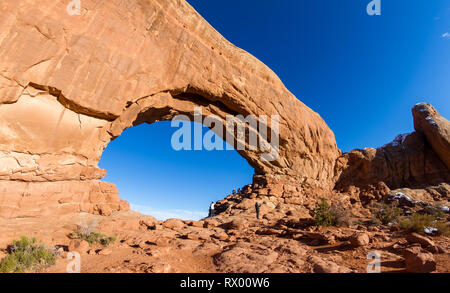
<point x="342" y="217"/>
<point x="27" y="254"/>
<point x="322" y="214"/>
<point x="443" y="228"/>
<point x="418" y="222"/>
<point x="94" y="237"/>
<point x="385" y="214"/>
<point x="435" y="211"/>
<point x="331" y="215"/>
<point x="86" y="232"/>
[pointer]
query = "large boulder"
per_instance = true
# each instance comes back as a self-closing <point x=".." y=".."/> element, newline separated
<point x="360" y="239"/>
<point x="322" y="266"/>
<point x="78" y="245"/>
<point x="424" y="241"/>
<point x="435" y="128"/>
<point x="246" y="258"/>
<point x="174" y="224"/>
<point x="418" y="261"/>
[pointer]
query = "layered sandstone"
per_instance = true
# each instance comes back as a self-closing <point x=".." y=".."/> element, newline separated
<point x="71" y="84"/>
<point x="416" y="160"/>
<point x="37" y="199"/>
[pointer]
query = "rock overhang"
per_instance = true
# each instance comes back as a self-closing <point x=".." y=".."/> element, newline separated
<point x="71" y="84"/>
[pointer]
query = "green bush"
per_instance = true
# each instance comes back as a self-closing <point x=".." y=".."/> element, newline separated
<point x="323" y="215"/>
<point x="386" y="214"/>
<point x="94" y="238"/>
<point x="27" y="255"/>
<point x="331" y="215"/>
<point x="418" y="223"/>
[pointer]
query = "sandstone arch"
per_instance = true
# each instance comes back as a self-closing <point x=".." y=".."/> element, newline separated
<point x="70" y="84"/>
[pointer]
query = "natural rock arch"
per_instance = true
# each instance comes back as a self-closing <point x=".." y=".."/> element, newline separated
<point x="70" y="84"/>
<point x="165" y="107"/>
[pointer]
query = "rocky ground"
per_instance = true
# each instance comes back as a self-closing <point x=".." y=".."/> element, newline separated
<point x="284" y="240"/>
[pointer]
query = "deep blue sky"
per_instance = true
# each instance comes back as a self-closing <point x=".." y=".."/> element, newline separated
<point x="361" y="73"/>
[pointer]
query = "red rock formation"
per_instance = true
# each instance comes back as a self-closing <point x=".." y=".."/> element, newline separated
<point x="415" y="160"/>
<point x="32" y="199"/>
<point x="71" y="84"/>
<point x="435" y="128"/>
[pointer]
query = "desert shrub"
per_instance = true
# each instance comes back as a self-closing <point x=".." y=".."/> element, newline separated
<point x="323" y="215"/>
<point x="386" y="214"/>
<point x="94" y="237"/>
<point x="326" y="215"/>
<point x="85" y="230"/>
<point x="443" y="228"/>
<point x="418" y="222"/>
<point x="435" y="211"/>
<point x="341" y="216"/>
<point x="27" y="255"/>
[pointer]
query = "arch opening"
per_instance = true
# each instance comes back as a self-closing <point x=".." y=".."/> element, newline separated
<point x="166" y="183"/>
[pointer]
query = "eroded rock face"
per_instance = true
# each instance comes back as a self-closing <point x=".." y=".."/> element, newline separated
<point x="33" y="199"/>
<point x="71" y="84"/>
<point x="416" y="160"/>
<point x="407" y="161"/>
<point x="435" y="128"/>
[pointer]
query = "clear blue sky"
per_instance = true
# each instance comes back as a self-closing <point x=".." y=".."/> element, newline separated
<point x="361" y="73"/>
